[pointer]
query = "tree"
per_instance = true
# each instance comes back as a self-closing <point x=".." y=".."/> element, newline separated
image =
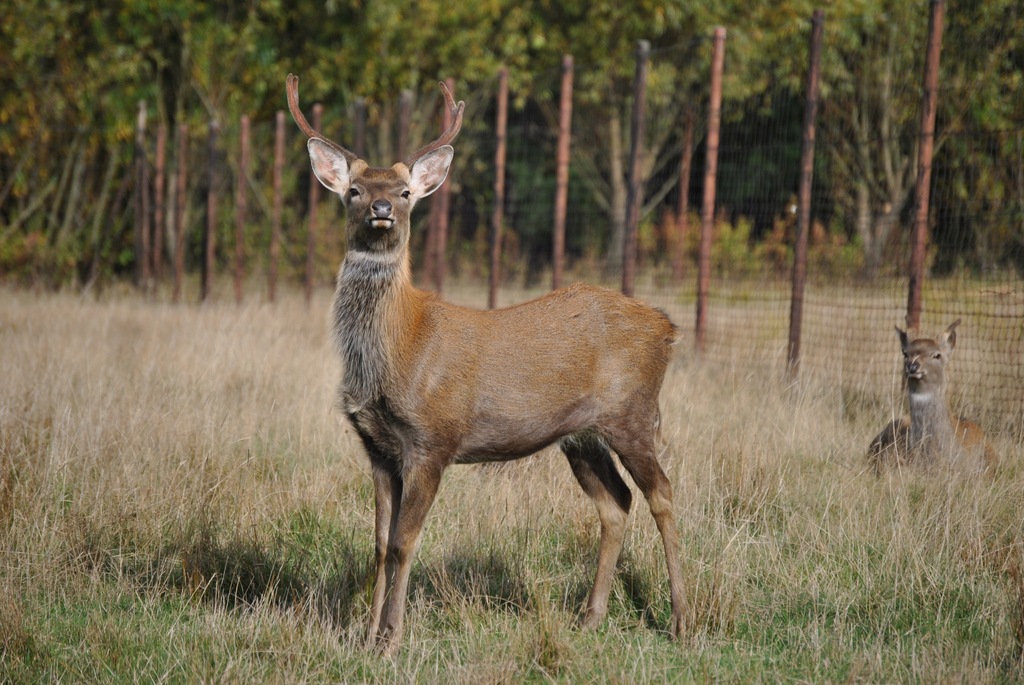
<point x="873" y="68"/>
<point x="979" y="186"/>
<point x="72" y="74"/>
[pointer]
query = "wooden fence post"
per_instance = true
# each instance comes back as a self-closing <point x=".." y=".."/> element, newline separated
<point x="158" y="201"/>
<point x="710" y="175"/>
<point x="240" y="208"/>
<point x="212" y="191"/>
<point x="803" y="224"/>
<point x="498" y="214"/>
<point x="275" y="211"/>
<point x="683" y="201"/>
<point x="404" y="117"/>
<point x="359" y="128"/>
<point x="629" y="248"/>
<point x="314" y="197"/>
<point x="142" y="225"/>
<point x="179" y="212"/>
<point x="929" y="104"/>
<point x="562" y="171"/>
<point x="442" y="203"/>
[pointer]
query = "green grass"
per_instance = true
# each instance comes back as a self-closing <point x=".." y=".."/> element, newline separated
<point x="180" y="502"/>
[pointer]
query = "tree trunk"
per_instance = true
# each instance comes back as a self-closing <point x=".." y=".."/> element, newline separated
<point x="53" y="221"/>
<point x="862" y="223"/>
<point x="100" y="218"/>
<point x="619" y="195"/>
<point x="72" y="207"/>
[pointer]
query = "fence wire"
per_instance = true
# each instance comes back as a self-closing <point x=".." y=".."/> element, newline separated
<point x="861" y="213"/>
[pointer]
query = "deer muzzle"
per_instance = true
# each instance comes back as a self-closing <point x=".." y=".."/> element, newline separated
<point x="380" y="215"/>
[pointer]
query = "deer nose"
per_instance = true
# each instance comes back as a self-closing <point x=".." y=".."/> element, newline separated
<point x="913" y="367"/>
<point x="381" y="208"/>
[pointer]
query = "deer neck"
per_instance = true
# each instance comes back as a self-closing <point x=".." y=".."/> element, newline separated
<point x="373" y="291"/>
<point x="931" y="426"/>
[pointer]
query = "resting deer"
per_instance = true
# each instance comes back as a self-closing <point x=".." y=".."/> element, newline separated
<point x="932" y="434"/>
<point x="427" y="384"/>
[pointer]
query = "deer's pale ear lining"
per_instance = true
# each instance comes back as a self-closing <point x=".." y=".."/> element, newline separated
<point x="430" y="171"/>
<point x="330" y="166"/>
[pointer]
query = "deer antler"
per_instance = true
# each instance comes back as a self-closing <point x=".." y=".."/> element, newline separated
<point x="292" y="87"/>
<point x="449" y="135"/>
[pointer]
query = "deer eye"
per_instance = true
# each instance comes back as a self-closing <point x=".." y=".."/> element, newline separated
<point x="937" y="355"/>
<point x="353" y="192"/>
<point x="406" y="194"/>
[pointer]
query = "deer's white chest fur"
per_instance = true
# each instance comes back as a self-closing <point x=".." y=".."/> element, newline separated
<point x="365" y="292"/>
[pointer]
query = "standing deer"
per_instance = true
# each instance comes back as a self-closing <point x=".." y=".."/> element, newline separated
<point x="427" y="384"/>
<point x="932" y="434"/>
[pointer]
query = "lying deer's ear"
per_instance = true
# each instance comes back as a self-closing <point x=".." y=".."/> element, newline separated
<point x="330" y="166"/>
<point x="430" y="171"/>
<point x="904" y="340"/>
<point x="948" y="337"/>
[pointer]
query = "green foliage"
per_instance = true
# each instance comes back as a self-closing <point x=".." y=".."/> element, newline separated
<point x="983" y="151"/>
<point x="72" y="75"/>
<point x="735" y="253"/>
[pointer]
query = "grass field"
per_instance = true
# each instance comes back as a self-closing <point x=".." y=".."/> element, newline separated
<point x="180" y="502"/>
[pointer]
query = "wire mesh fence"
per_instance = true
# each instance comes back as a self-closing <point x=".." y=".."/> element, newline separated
<point x="861" y="208"/>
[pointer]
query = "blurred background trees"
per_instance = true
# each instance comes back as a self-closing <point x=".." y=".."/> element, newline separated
<point x="73" y="72"/>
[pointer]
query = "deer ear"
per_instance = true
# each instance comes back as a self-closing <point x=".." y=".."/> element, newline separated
<point x="430" y="171"/>
<point x="948" y="337"/>
<point x="904" y="341"/>
<point x="330" y="166"/>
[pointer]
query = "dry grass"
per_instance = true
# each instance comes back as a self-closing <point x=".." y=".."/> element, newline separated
<point x="179" y="501"/>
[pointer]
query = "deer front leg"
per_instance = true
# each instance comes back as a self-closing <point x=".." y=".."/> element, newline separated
<point x="419" y="486"/>
<point x="387" y="489"/>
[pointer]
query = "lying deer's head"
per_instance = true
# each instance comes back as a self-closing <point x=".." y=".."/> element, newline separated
<point x="924" y="359"/>
<point x="379" y="201"/>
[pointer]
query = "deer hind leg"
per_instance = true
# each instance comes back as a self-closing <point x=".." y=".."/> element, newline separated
<point x="418" y="488"/>
<point x="635" y="448"/>
<point x="592" y="465"/>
